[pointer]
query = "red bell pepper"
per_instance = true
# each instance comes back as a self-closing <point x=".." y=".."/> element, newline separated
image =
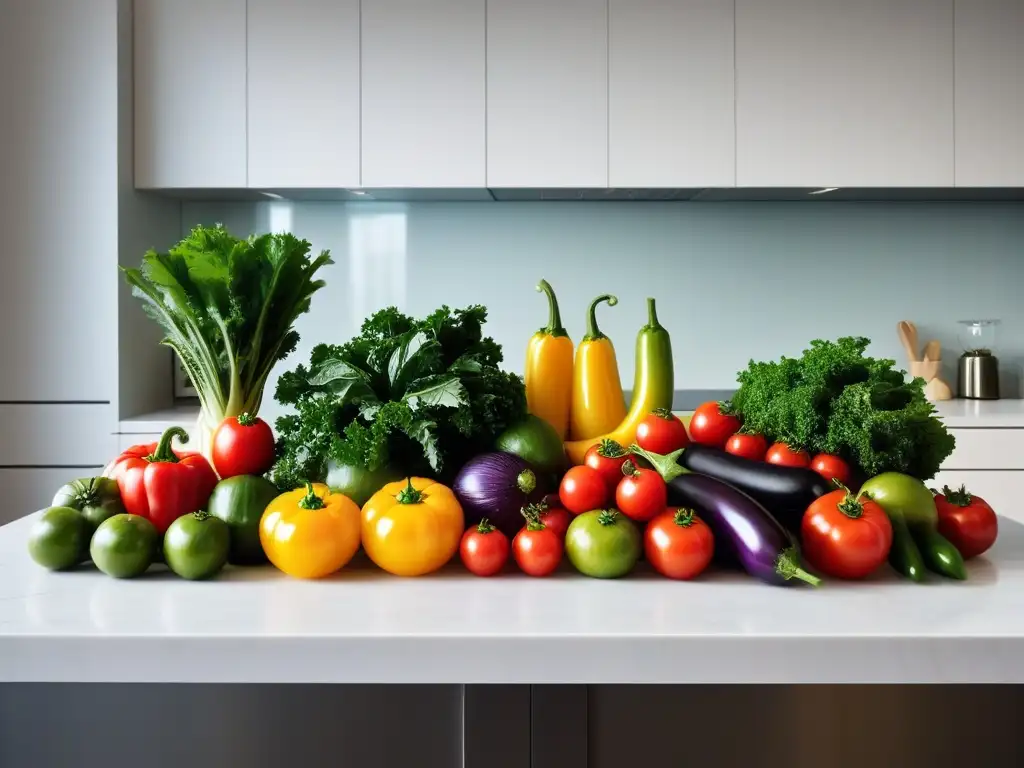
<point x="161" y="484"/>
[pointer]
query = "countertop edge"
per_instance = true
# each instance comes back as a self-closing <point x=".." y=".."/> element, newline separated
<point x="507" y="660"/>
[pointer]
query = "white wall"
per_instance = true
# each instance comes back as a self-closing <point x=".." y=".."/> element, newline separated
<point x="733" y="280"/>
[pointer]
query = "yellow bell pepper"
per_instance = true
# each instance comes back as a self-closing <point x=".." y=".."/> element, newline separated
<point x="652" y="386"/>
<point x="598" y="405"/>
<point x="549" y="369"/>
<point x="310" y="532"/>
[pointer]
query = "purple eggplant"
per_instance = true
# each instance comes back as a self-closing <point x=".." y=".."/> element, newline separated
<point x="744" y="530"/>
<point x="786" y="491"/>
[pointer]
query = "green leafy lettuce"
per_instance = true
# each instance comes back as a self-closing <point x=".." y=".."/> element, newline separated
<point x="835" y="400"/>
<point x="227" y="307"/>
<point x="421" y="395"/>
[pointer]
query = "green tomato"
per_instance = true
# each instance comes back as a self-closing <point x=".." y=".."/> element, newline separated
<point x="124" y="546"/>
<point x="97" y="498"/>
<point x="239" y="501"/>
<point x="359" y="483"/>
<point x="196" y="546"/>
<point x="604" y="544"/>
<point x="903" y="495"/>
<point x="59" y="539"/>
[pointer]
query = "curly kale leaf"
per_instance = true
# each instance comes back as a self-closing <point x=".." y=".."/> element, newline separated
<point x="835" y="400"/>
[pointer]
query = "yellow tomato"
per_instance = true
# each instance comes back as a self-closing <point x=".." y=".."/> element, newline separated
<point x="310" y="532"/>
<point x="412" y="527"/>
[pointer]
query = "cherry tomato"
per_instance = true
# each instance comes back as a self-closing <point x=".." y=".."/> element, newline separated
<point x="537" y="550"/>
<point x="582" y="489"/>
<point x="661" y="432"/>
<point x="607" y="457"/>
<point x="831" y="468"/>
<point x="678" y="544"/>
<point x="753" y="447"/>
<point x="641" y="494"/>
<point x="484" y="549"/>
<point x="782" y="454"/>
<point x="556" y="519"/>
<point x="710" y="426"/>
<point x="242" y="446"/>
<point x="966" y="520"/>
<point x="845" y="536"/>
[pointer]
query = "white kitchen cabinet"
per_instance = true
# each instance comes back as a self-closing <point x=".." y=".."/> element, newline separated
<point x="303" y="86"/>
<point x="547" y="93"/>
<point x="190" y="100"/>
<point x="671" y="107"/>
<point x="424" y="93"/>
<point x="839" y="93"/>
<point x="989" y="93"/>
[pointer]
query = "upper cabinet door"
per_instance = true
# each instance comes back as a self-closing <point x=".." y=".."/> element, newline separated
<point x="547" y="93"/>
<point x="424" y="93"/>
<point x="838" y="93"/>
<point x="990" y="93"/>
<point x="189" y="93"/>
<point x="671" y="101"/>
<point x="303" y="93"/>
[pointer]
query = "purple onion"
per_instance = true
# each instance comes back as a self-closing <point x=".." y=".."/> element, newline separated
<point x="497" y="486"/>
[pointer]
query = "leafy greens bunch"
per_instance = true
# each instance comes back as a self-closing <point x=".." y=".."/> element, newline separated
<point x="835" y="400"/>
<point x="420" y="395"/>
<point x="227" y="307"/>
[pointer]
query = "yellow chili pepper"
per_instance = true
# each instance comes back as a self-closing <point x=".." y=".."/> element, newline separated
<point x="598" y="405"/>
<point x="549" y="369"/>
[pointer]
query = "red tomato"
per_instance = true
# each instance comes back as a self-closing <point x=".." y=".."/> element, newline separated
<point x="782" y="454"/>
<point x="831" y="468"/>
<point x="845" y="536"/>
<point x="966" y="520"/>
<point x="607" y="457"/>
<point x="484" y="549"/>
<point x="678" y="544"/>
<point x="661" y="432"/>
<point x="709" y="426"/>
<point x="753" y="447"/>
<point x="641" y="494"/>
<point x="242" y="446"/>
<point x="582" y="489"/>
<point x="537" y="550"/>
<point x="556" y="519"/>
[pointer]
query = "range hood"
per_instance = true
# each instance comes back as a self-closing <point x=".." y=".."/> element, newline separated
<point x="705" y="195"/>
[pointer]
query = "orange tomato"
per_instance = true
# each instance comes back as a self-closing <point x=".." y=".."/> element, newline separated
<point x="412" y="527"/>
<point x="310" y="532"/>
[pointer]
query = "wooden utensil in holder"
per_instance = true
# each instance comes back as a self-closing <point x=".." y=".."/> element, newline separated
<point x="928" y="365"/>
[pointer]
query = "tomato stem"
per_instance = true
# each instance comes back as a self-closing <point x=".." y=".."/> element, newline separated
<point x="484" y="526"/>
<point x="201" y="514"/>
<point x="246" y="419"/>
<point x="409" y="495"/>
<point x="850" y="504"/>
<point x="662" y="413"/>
<point x="164" y="452"/>
<point x="611" y="449"/>
<point x="684" y="517"/>
<point x="311" y="500"/>
<point x="958" y="498"/>
<point x="608" y="516"/>
<point x="526" y="481"/>
<point x="629" y="468"/>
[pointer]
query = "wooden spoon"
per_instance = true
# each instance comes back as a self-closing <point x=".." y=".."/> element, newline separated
<point x="933" y="351"/>
<point x="908" y="336"/>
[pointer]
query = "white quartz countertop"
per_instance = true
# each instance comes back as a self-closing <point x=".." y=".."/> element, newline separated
<point x="365" y="626"/>
<point x="982" y="414"/>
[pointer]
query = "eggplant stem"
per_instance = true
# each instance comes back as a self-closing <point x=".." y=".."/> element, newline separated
<point x="665" y="465"/>
<point x="787" y="565"/>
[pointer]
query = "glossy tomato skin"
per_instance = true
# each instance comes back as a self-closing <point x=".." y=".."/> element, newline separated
<point x="678" y="544"/>
<point x="831" y="468"/>
<point x="709" y="426"/>
<point x="753" y="447"/>
<point x="661" y="432"/>
<point x="242" y="446"/>
<point x="484" y="549"/>
<point x="537" y="551"/>
<point x="843" y="546"/>
<point x="783" y="455"/>
<point x="607" y="457"/>
<point x="583" y="488"/>
<point x="603" y="544"/>
<point x="641" y="494"/>
<point x="967" y="521"/>
<point x="556" y="519"/>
